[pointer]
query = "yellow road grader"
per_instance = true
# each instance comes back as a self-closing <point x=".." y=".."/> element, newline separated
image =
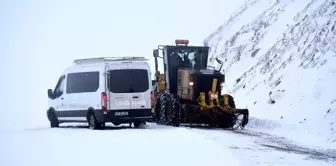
<point x="189" y="92"/>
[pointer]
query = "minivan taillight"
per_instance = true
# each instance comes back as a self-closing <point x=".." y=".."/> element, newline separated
<point x="151" y="98"/>
<point x="103" y="101"/>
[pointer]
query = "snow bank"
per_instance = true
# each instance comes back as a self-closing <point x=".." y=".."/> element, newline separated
<point x="279" y="60"/>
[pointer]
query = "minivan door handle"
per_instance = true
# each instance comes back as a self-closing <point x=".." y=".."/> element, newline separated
<point x="135" y="97"/>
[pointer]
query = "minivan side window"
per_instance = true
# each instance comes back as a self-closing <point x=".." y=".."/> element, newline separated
<point x="82" y="82"/>
<point x="59" y="89"/>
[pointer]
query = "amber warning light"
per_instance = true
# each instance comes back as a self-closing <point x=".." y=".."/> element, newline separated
<point x="181" y="41"/>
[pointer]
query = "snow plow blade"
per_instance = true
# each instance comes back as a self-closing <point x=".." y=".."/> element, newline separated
<point x="221" y="117"/>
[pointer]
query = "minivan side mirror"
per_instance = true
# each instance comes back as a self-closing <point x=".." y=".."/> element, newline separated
<point x="155" y="53"/>
<point x="50" y="94"/>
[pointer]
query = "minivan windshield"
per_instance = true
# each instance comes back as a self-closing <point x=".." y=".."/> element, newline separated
<point x="128" y="81"/>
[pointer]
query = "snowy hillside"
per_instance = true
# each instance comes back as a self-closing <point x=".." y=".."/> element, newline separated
<point x="280" y="61"/>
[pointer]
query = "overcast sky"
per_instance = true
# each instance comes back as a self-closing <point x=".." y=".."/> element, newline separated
<point x="39" y="38"/>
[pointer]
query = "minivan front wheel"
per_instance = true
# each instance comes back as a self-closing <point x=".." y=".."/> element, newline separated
<point x="53" y="120"/>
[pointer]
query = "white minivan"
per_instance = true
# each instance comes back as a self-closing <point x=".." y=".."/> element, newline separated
<point x="99" y="90"/>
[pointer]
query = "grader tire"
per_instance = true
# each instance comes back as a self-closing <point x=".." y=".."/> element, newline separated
<point x="176" y="109"/>
<point x="156" y="115"/>
<point x="163" y="109"/>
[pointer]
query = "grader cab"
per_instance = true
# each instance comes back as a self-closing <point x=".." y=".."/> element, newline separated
<point x="189" y="92"/>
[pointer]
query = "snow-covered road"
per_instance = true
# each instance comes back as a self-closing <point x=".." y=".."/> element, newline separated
<point x="74" y="144"/>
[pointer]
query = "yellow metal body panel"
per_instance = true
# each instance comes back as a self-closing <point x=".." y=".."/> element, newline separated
<point x="213" y="94"/>
<point x="214" y="83"/>
<point x="162" y="83"/>
<point x="202" y="100"/>
<point x="226" y="100"/>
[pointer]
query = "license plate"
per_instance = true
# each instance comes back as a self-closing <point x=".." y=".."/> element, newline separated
<point x="120" y="113"/>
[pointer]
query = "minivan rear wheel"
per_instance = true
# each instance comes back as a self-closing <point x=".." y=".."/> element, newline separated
<point x="138" y="124"/>
<point x="93" y="124"/>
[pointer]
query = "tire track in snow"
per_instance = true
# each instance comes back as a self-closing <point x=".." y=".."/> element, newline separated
<point x="265" y="142"/>
<point x="241" y="140"/>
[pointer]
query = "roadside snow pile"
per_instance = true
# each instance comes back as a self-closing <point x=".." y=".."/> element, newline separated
<point x="279" y="60"/>
<point x="262" y="123"/>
